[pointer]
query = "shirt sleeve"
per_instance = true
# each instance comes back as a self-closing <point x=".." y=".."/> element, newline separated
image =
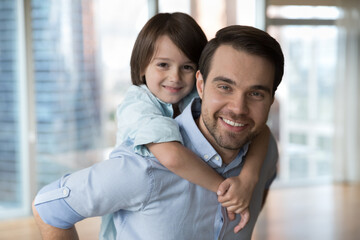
<point x="143" y="119"/>
<point x="51" y="197"/>
<point x="106" y="187"/>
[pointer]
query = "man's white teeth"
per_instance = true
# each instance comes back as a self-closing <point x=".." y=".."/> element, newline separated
<point x="234" y="124"/>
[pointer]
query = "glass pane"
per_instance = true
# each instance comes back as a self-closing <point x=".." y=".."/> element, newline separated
<point x="67" y="87"/>
<point x="326" y="56"/>
<point x="305" y="97"/>
<point x="174" y="6"/>
<point x="298" y="168"/>
<point x="118" y="27"/>
<point x="297" y="138"/>
<point x="310" y="53"/>
<point x="10" y="170"/>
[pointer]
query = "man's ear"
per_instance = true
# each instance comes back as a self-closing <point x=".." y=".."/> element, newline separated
<point x="200" y="84"/>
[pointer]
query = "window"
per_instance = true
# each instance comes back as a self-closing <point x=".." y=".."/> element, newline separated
<point x="12" y="172"/>
<point x="58" y="89"/>
<point x="308" y="37"/>
<point x="117" y="31"/>
<point x="67" y="87"/>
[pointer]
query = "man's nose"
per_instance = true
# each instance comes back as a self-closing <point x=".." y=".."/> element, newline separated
<point x="239" y="105"/>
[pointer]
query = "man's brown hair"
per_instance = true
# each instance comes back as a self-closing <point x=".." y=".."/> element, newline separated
<point x="250" y="40"/>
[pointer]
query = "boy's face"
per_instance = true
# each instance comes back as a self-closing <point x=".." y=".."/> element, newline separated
<point x="236" y="98"/>
<point x="170" y="75"/>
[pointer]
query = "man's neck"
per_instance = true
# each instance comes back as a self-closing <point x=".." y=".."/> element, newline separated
<point x="227" y="155"/>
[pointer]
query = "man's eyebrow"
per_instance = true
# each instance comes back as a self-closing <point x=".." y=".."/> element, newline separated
<point x="232" y="82"/>
<point x="224" y="79"/>
<point x="261" y="87"/>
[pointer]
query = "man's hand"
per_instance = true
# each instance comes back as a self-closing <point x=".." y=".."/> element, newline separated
<point x="49" y="232"/>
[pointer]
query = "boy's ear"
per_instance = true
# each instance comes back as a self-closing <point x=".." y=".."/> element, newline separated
<point x="200" y="84"/>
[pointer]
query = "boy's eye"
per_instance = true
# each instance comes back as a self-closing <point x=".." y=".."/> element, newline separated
<point x="162" y="65"/>
<point x="189" y="67"/>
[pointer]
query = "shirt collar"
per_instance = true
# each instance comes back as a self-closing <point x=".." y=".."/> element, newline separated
<point x="166" y="107"/>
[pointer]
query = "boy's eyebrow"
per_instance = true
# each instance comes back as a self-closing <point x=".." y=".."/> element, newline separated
<point x="162" y="58"/>
<point x="168" y="59"/>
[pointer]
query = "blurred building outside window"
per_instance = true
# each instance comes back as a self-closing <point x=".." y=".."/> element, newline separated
<point x="11" y="173"/>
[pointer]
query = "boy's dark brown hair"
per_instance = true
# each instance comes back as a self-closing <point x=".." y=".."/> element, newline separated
<point x="182" y="29"/>
<point x="250" y="40"/>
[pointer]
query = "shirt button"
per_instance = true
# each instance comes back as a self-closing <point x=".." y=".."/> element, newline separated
<point x="206" y="156"/>
<point x="217" y="158"/>
<point x="65" y="192"/>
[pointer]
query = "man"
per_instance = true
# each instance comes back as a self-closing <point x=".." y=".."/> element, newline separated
<point x="240" y="70"/>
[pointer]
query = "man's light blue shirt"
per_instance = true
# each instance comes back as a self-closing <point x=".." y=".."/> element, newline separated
<point x="147" y="200"/>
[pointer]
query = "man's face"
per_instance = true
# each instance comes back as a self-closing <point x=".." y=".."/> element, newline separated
<point x="236" y="98"/>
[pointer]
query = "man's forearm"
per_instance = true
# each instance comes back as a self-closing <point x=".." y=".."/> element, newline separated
<point x="49" y="232"/>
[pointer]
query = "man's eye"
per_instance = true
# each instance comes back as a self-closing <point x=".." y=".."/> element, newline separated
<point x="257" y="94"/>
<point x="224" y="87"/>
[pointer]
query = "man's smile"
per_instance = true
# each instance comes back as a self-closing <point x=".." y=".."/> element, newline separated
<point x="231" y="123"/>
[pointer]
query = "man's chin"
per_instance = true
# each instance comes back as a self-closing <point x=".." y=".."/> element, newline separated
<point x="235" y="147"/>
<point x="232" y="143"/>
<point x="235" y="141"/>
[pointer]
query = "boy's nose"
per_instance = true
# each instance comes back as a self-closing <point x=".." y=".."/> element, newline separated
<point x="174" y="76"/>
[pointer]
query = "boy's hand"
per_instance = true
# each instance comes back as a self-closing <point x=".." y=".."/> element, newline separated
<point x="234" y="195"/>
<point x="245" y="217"/>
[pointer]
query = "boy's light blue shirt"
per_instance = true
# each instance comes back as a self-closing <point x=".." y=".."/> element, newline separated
<point x="143" y="118"/>
<point x="149" y="201"/>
